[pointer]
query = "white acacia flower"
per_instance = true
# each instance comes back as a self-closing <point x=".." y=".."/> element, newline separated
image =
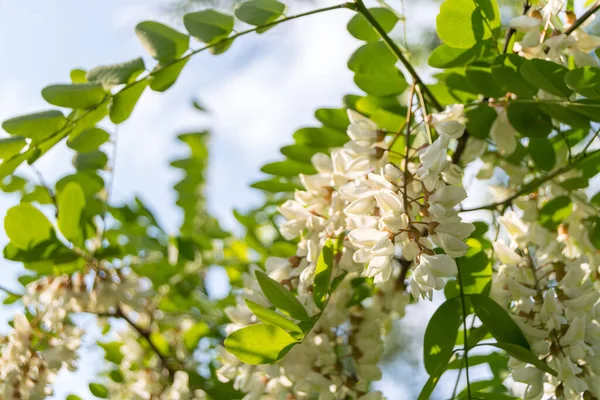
<point x="450" y="122"/>
<point x="503" y="133"/>
<point x="374" y="248"/>
<point x="361" y="129"/>
<point x="427" y="275"/>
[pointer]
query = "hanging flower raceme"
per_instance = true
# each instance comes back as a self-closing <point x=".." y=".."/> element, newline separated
<point x="389" y="218"/>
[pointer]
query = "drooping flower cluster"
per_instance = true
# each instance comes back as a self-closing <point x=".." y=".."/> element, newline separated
<point x="391" y="217"/>
<point x="547" y="284"/>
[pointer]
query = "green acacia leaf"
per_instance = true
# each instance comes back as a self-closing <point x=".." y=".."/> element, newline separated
<point x="90" y="183"/>
<point x="523" y="354"/>
<point x="167" y="75"/>
<point x="546" y="75"/>
<point x="88" y="139"/>
<point x="26" y="226"/>
<point x="71" y="203"/>
<point x="280" y="297"/>
<point x="440" y="336"/>
<point x="117" y="74"/>
<point x="259" y="12"/>
<point x="554" y="212"/>
<point x="542" y="153"/>
<point x="497" y="321"/>
<point x="323" y="272"/>
<point x="360" y="28"/>
<point x="208" y="26"/>
<point x="125" y="100"/>
<point x="585" y="81"/>
<point x="99" y="390"/>
<point x="112" y="351"/>
<point x="320" y="137"/>
<point x="476" y="269"/>
<point x="565" y="115"/>
<point x="529" y="120"/>
<point x="386" y="81"/>
<point x="429" y="387"/>
<point x="37" y="126"/>
<point x="162" y="42"/>
<point x="336" y="118"/>
<point x="11" y="146"/>
<point x="288" y="168"/>
<point x="463" y="23"/>
<point x="481" y="78"/>
<point x="192" y="336"/>
<point x="73" y="397"/>
<point x="505" y="71"/>
<point x="81" y="95"/>
<point x="90" y="161"/>
<point x="78" y="75"/>
<point x="299" y="152"/>
<point x="276" y="185"/>
<point x="445" y="56"/>
<point x="371" y="57"/>
<point x="480" y="120"/>
<point x="271" y="317"/>
<point x="259" y="344"/>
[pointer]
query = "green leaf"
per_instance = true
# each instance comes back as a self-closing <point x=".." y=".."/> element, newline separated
<point x="37" y="126"/>
<point x="320" y="137"/>
<point x="335" y="118"/>
<point x="112" y="351"/>
<point x="463" y="23"/>
<point x="27" y="227"/>
<point x="208" y="26"/>
<point x="11" y="146"/>
<point x="505" y="71"/>
<point x="299" y="152"/>
<point x="259" y="12"/>
<point x="565" y="115"/>
<point x="88" y="139"/>
<point x="529" y="120"/>
<point x="429" y="387"/>
<point x="497" y="321"/>
<point x="125" y="100"/>
<point x="117" y="74"/>
<point x="259" y="344"/>
<point x="78" y="76"/>
<point x="546" y="75"/>
<point x="323" y="272"/>
<point x="90" y="161"/>
<point x="480" y="120"/>
<point x="440" y="336"/>
<point x="481" y="78"/>
<point x="554" y="212"/>
<point x="385" y="81"/>
<point x="360" y="28"/>
<point x="167" y="75"/>
<point x="160" y="342"/>
<point x="288" y="168"/>
<point x="89" y="182"/>
<point x="585" y="81"/>
<point x="476" y="269"/>
<point x="276" y="186"/>
<point x="371" y="57"/>
<point x="73" y="397"/>
<point x="280" y="297"/>
<point x="192" y="336"/>
<point x="542" y="153"/>
<point x="523" y="354"/>
<point x="271" y="317"/>
<point x="99" y="390"/>
<point x="71" y="203"/>
<point x="81" y="95"/>
<point x="445" y="56"/>
<point x="164" y="43"/>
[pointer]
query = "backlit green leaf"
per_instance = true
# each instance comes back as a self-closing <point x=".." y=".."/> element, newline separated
<point x="259" y="12"/>
<point x="117" y="74"/>
<point x="162" y="42"/>
<point x="280" y="297"/>
<point x="360" y="28"/>
<point x="208" y="25"/>
<point x="259" y="344"/>
<point x="37" y="126"/>
<point x="82" y="95"/>
<point x="88" y="139"/>
<point x="440" y="336"/>
<point x="71" y="203"/>
<point x="125" y="100"/>
<point x="26" y="226"/>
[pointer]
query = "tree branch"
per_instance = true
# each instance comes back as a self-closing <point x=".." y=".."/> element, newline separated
<point x="591" y="11"/>
<point x="531" y="186"/>
<point x="397" y="52"/>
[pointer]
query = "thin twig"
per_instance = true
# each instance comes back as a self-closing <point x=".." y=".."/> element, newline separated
<point x="591" y="11"/>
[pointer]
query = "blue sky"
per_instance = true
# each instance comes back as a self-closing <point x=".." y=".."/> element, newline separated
<point x="259" y="93"/>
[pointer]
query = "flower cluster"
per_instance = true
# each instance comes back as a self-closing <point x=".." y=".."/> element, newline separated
<point x="545" y="281"/>
<point x="391" y="217"/>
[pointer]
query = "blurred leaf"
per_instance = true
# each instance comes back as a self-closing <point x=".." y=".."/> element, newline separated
<point x="529" y="120"/>
<point x="440" y="336"/>
<point x="26" y="226"/>
<point x="117" y="74"/>
<point x="554" y="212"/>
<point x="497" y="321"/>
<point x="164" y="43"/>
<point x="288" y="168"/>
<point x="167" y="75"/>
<point x="505" y="71"/>
<point x="90" y="161"/>
<point x="271" y="317"/>
<point x="323" y="272"/>
<point x="37" y="126"/>
<point x="463" y="23"/>
<point x="71" y="203"/>
<point x="208" y="26"/>
<point x="82" y="95"/>
<point x="99" y="390"/>
<point x="546" y="75"/>
<point x="542" y="153"/>
<point x="259" y="344"/>
<point x="125" y="100"/>
<point x="585" y="81"/>
<point x="259" y="12"/>
<point x="11" y="146"/>
<point x="360" y="28"/>
<point x="88" y="139"/>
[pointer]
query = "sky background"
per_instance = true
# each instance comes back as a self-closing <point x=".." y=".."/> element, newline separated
<point x="258" y="93"/>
